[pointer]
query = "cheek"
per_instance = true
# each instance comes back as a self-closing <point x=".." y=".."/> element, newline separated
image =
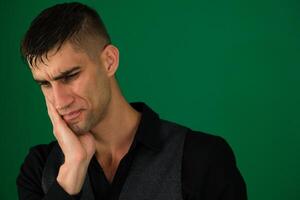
<point x="93" y="87"/>
<point x="82" y="92"/>
<point x="87" y="91"/>
<point x="99" y="93"/>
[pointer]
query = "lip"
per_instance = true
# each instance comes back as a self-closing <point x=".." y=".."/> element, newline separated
<point x="71" y="116"/>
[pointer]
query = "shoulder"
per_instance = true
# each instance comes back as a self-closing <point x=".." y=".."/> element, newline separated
<point x="209" y="162"/>
<point x="31" y="170"/>
<point x="39" y="153"/>
<point x="203" y="152"/>
<point x="207" y="147"/>
<point x="199" y="145"/>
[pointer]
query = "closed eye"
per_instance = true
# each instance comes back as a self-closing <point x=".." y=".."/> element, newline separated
<point x="69" y="77"/>
<point x="45" y="84"/>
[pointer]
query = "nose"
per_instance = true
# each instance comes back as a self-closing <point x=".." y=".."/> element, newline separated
<point x="62" y="96"/>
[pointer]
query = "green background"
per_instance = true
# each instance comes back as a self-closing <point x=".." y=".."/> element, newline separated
<point x="229" y="68"/>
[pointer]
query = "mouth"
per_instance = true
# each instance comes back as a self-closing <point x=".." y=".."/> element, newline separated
<point x="71" y="116"/>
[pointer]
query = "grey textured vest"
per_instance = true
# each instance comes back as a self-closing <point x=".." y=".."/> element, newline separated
<point x="154" y="175"/>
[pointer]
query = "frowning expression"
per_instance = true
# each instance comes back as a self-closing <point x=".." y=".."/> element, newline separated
<point x="76" y="84"/>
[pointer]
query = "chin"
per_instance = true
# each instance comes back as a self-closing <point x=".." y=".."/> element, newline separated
<point x="78" y="130"/>
<point x="83" y="125"/>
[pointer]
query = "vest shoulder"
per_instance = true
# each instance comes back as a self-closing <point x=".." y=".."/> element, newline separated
<point x="193" y="137"/>
<point x="173" y="126"/>
<point x="197" y="142"/>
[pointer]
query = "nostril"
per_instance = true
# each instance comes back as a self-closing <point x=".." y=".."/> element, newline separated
<point x="62" y="107"/>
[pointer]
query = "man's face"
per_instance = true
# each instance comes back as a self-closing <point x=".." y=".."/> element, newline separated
<point x="76" y="85"/>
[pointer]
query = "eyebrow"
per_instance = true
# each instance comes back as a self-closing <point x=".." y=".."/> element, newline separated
<point x="60" y="76"/>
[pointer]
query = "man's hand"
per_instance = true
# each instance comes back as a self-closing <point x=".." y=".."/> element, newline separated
<point x="78" y="151"/>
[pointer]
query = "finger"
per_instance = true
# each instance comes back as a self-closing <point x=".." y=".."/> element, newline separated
<point x="55" y="119"/>
<point x="53" y="114"/>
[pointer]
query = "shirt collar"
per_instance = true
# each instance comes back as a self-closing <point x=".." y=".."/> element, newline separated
<point x="149" y="127"/>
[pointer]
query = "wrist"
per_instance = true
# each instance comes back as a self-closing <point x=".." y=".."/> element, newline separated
<point x="71" y="177"/>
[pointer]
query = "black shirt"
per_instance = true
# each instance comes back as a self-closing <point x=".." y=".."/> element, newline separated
<point x="209" y="170"/>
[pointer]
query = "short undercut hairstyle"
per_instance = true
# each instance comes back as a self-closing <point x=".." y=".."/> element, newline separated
<point x="72" y="22"/>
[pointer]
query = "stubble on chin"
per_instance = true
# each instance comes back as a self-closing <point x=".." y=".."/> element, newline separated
<point x="77" y="129"/>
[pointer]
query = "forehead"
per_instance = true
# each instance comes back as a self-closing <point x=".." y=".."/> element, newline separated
<point x="56" y="62"/>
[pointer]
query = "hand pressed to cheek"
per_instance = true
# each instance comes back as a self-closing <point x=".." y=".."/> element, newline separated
<point x="58" y="123"/>
<point x="74" y="147"/>
<point x="56" y="120"/>
<point x="51" y="112"/>
<point x="61" y="131"/>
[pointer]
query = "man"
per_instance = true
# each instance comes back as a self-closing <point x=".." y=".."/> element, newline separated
<point x="107" y="148"/>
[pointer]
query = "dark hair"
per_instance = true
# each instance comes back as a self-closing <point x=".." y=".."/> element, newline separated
<point x="72" y="22"/>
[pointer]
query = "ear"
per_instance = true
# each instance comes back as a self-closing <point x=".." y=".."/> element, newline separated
<point x="110" y="59"/>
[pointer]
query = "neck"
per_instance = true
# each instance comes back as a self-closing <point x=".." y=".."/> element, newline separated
<point x="115" y="133"/>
